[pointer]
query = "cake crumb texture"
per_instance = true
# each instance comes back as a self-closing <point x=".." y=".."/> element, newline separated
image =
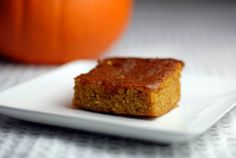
<point x="130" y="86"/>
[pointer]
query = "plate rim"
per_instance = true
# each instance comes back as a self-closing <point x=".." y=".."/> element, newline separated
<point x="11" y="110"/>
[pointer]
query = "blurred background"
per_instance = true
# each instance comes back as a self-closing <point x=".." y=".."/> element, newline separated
<point x="190" y="26"/>
<point x="52" y="32"/>
<point x="201" y="32"/>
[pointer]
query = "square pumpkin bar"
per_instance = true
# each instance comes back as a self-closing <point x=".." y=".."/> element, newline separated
<point x="130" y="86"/>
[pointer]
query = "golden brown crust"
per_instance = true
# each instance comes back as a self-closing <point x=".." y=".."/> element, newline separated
<point x="132" y="71"/>
<point x="130" y="86"/>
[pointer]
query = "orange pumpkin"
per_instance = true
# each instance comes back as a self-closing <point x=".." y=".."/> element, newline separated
<point x="57" y="31"/>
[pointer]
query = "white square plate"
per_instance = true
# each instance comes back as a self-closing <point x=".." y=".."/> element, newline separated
<point x="47" y="99"/>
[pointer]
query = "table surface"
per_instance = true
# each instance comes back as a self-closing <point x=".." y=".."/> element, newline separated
<point x="203" y="34"/>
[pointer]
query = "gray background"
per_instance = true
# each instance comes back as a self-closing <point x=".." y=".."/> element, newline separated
<point x="202" y="33"/>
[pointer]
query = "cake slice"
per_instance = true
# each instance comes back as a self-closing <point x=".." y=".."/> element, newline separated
<point x="130" y="86"/>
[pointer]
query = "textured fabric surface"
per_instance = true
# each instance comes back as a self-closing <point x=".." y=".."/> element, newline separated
<point x="202" y="33"/>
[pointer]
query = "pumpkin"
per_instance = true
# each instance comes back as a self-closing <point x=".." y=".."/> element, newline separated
<point x="58" y="31"/>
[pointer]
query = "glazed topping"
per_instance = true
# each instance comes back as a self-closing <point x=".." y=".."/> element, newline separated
<point x="132" y="71"/>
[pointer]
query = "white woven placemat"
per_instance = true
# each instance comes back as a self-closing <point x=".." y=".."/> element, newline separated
<point x="202" y="34"/>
